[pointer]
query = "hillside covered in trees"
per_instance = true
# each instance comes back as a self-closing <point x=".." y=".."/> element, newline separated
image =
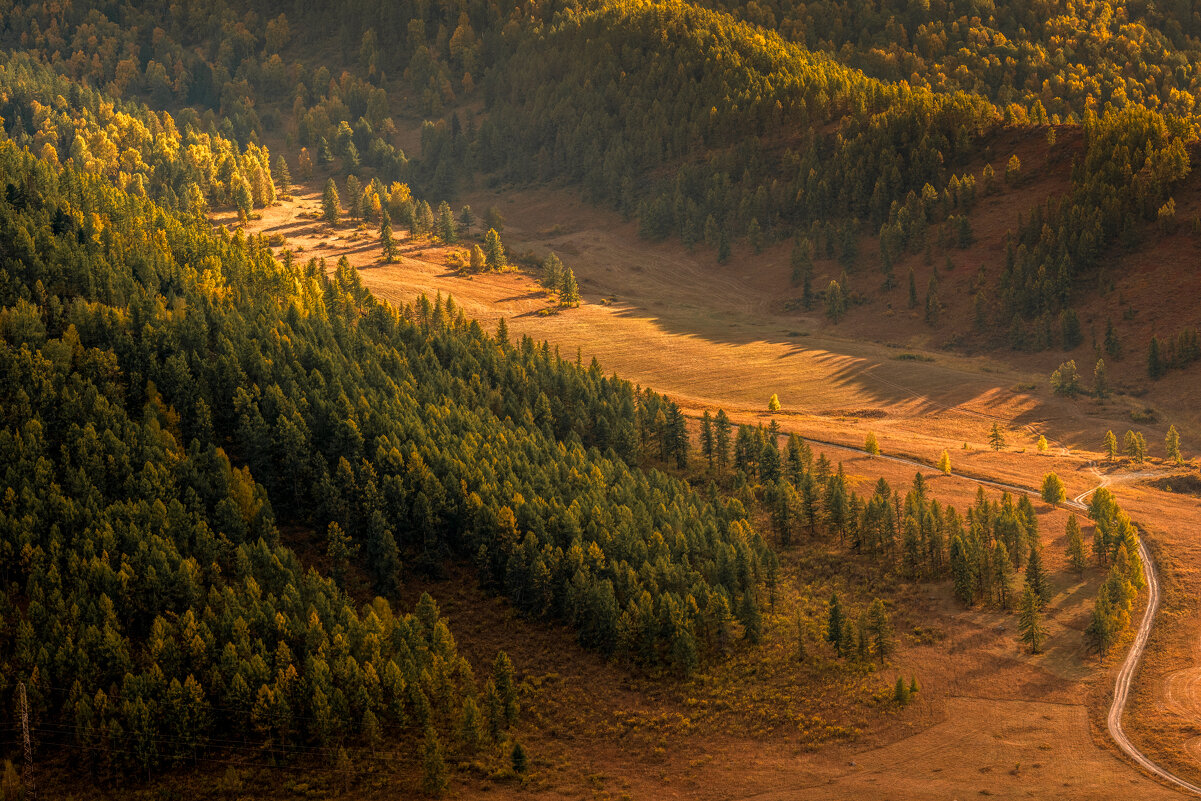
<point x="185" y="409"/>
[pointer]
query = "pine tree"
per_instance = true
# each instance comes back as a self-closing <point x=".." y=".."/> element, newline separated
<point x="340" y="551"/>
<point x="834" y="624"/>
<point x="502" y="677"/>
<point x="1100" y="380"/>
<point x="879" y="630"/>
<point x="751" y="619"/>
<point x="1113" y="347"/>
<point x="870" y="445"/>
<point x="721" y="439"/>
<point x="330" y="208"/>
<point x="1102" y="630"/>
<point x="802" y="650"/>
<point x="1053" y="491"/>
<point x="494" y="251"/>
<point x="518" y="758"/>
<point x="387" y="243"/>
<point x="1036" y="575"/>
<point x="996" y="439"/>
<point x="1172" y="444"/>
<point x="901" y="693"/>
<point x="933" y="306"/>
<point x="1075" y="550"/>
<point x="283" y="173"/>
<point x="836" y="302"/>
<point x="570" y="296"/>
<point x="773" y="403"/>
<point x="723" y="247"/>
<point x="445" y="225"/>
<point x="1030" y="621"/>
<point x="434" y="776"/>
<point x="1155" y="364"/>
<point x="1111" y="446"/>
<point x="944" y="463"/>
<point x="707" y="443"/>
<point x="552" y="272"/>
<point x="1002" y="574"/>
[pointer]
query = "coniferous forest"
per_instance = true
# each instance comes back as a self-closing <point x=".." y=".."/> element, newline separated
<point x="229" y="472"/>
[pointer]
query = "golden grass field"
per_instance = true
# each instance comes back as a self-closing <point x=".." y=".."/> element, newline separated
<point x="991" y="720"/>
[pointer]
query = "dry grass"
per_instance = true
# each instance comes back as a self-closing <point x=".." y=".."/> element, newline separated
<point x="991" y="720"/>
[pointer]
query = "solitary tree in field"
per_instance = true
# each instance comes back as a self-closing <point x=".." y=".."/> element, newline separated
<point x="1053" y="491"/>
<point x="330" y="209"/>
<point x="1076" y="557"/>
<point x="494" y="251"/>
<point x="1030" y="621"/>
<point x="996" y="439"/>
<point x="773" y="403"/>
<point x="944" y="463"/>
<point x="901" y="693"/>
<point x="870" y="445"/>
<point x="1042" y="444"/>
<point x="1172" y="442"/>
<point x="1111" y="446"/>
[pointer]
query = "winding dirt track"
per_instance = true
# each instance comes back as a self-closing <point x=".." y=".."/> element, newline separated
<point x="1121" y="691"/>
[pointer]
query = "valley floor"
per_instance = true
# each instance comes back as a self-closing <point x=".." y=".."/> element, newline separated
<point x="991" y="720"/>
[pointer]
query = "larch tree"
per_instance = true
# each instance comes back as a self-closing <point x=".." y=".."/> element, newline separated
<point x="1053" y="491"/>
<point x="494" y="251"/>
<point x="944" y="463"/>
<point x="1075" y="547"/>
<point x="1111" y="446"/>
<point x="707" y="442"/>
<point x="1036" y="574"/>
<point x="1031" y="629"/>
<point x="570" y="295"/>
<point x="1100" y="380"/>
<point x="996" y="440"/>
<point x="477" y="260"/>
<point x="330" y="205"/>
<point x="721" y="439"/>
<point x="1042" y="444"/>
<point x="836" y="302"/>
<point x="387" y="243"/>
<point x="773" y="403"/>
<point x="879" y="630"/>
<point x="434" y="775"/>
<point x="1172" y="444"/>
<point x="870" y="445"/>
